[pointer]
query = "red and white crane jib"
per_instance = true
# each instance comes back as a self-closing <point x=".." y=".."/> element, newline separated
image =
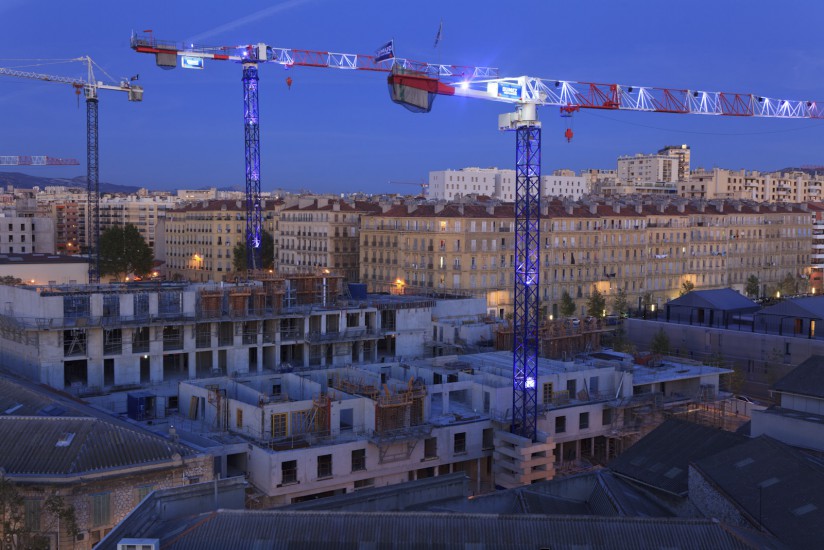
<point x="588" y="95"/>
<point x="262" y="53"/>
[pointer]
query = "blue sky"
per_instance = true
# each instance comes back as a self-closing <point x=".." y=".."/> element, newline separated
<point x="337" y="131"/>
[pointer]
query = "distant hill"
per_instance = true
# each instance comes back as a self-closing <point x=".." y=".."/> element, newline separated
<point x="27" y="181"/>
<point x="811" y="170"/>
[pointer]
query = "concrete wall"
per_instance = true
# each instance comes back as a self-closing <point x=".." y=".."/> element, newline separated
<point x="797" y="431"/>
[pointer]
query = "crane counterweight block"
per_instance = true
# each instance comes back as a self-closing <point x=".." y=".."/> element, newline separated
<point x="415" y="90"/>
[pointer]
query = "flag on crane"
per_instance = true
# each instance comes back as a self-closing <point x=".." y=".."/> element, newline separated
<point x="438" y="36"/>
<point x="387" y="51"/>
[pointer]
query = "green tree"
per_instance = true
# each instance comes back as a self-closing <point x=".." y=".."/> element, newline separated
<point x="124" y="251"/>
<point x="596" y="304"/>
<point x="567" y="308"/>
<point x="660" y="343"/>
<point x="267" y="252"/>
<point x="753" y="286"/>
<point x="13" y="528"/>
<point x="620" y="304"/>
<point x="686" y="287"/>
<point x="788" y="285"/>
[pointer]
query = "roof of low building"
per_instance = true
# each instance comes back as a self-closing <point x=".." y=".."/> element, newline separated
<point x="71" y="446"/>
<point x="722" y="299"/>
<point x="661" y="458"/>
<point x="18" y="259"/>
<point x="774" y="485"/>
<point x="346" y="530"/>
<point x="806" y="307"/>
<point x="805" y="379"/>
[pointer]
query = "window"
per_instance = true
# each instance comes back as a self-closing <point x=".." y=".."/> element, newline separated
<point x="324" y="466"/>
<point x="358" y="460"/>
<point x="101" y="509"/>
<point x="583" y="421"/>
<point x="571" y="387"/>
<point x="606" y="417"/>
<point x="289" y="471"/>
<point x="239" y="418"/>
<point x="488" y="439"/>
<point x="547" y="393"/>
<point x="560" y="424"/>
<point x="280" y="425"/>
<point x="31" y="519"/>
<point x="459" y="443"/>
<point x="430" y="448"/>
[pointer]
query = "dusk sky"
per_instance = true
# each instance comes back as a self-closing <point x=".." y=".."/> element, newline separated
<point x="337" y="131"/>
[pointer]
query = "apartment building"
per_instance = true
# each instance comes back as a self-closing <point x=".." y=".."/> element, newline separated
<point x="498" y="183"/>
<point x="817" y="258"/>
<point x="199" y="237"/>
<point x="318" y="233"/>
<point x="648" y="249"/>
<point x="141" y="212"/>
<point x="782" y="187"/>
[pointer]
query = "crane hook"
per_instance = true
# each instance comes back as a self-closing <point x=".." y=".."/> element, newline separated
<point x="289" y="82"/>
<point x="568" y="135"/>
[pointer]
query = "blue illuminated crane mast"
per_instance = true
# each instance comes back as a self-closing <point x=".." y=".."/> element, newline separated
<point x="528" y="93"/>
<point x="89" y="86"/>
<point x="250" y="56"/>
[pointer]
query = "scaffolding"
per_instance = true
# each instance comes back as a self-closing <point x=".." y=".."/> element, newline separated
<point x="560" y="338"/>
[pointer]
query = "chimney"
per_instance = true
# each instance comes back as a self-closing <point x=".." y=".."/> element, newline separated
<point x="568" y="208"/>
<point x="411" y="207"/>
<point x="439" y="207"/>
<point x="616" y="206"/>
<point x="593" y="208"/>
<point x="681" y="207"/>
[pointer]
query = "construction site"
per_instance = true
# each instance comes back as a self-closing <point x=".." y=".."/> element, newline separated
<point x="92" y="339"/>
<point x="561" y="338"/>
<point x="321" y="432"/>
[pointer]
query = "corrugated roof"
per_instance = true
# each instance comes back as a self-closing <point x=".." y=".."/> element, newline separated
<point x="87" y="445"/>
<point x="351" y="530"/>
<point x="805" y="379"/>
<point x="775" y="485"/>
<point x="17" y="400"/>
<point x="721" y="299"/>
<point x="661" y="458"/>
<point x="810" y="306"/>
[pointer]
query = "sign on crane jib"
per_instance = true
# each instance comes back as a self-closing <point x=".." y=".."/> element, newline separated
<point x="509" y="91"/>
<point x="189" y="62"/>
<point x="385" y="52"/>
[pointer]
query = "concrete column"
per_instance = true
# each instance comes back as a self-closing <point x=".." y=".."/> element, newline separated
<point x="214" y="356"/>
<point x="445" y="400"/>
<point x="192" y="355"/>
<point x="259" y="355"/>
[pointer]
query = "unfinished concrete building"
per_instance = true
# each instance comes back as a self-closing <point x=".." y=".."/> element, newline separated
<point x="325" y="432"/>
<point x="93" y="338"/>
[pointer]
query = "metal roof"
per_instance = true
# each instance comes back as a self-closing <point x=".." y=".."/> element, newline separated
<point x="807" y="307"/>
<point x="661" y="458"/>
<point x="775" y="485"/>
<point x="71" y="446"/>
<point x="295" y="530"/>
<point x="721" y="299"/>
<point x="805" y="379"/>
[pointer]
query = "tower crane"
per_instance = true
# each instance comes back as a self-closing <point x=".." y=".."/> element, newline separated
<point x="250" y="56"/>
<point x="35" y="160"/>
<point x="89" y="86"/>
<point x="527" y="94"/>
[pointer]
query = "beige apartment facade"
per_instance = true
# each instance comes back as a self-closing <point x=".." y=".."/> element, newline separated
<point x="199" y="237"/>
<point x="319" y="233"/>
<point x="782" y="187"/>
<point x="647" y="250"/>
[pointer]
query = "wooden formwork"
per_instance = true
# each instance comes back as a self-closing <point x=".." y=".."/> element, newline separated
<point x="211" y="302"/>
<point x="239" y="300"/>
